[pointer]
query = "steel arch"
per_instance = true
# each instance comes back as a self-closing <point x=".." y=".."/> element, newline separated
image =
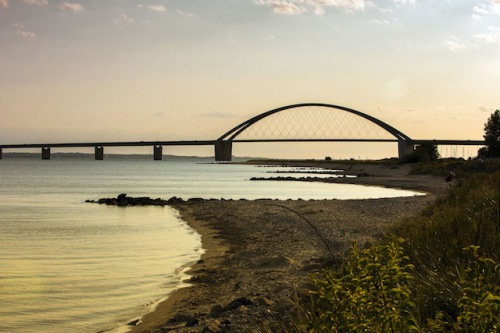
<point x="237" y="130"/>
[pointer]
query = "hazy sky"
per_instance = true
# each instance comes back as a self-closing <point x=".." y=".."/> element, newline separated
<point x="120" y="70"/>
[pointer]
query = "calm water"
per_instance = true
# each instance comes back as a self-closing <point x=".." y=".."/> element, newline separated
<point x="70" y="266"/>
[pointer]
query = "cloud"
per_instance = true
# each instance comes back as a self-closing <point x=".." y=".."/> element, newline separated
<point x="21" y="31"/>
<point x="71" y="6"/>
<point x="26" y="34"/>
<point x="455" y="46"/>
<point x="485" y="8"/>
<point x="384" y="22"/>
<point x="297" y="7"/>
<point x="36" y="2"/>
<point x="185" y="14"/>
<point x="480" y="10"/>
<point x="124" y="18"/>
<point x="319" y="7"/>
<point x="285" y="7"/>
<point x="158" y="114"/>
<point x="4" y="3"/>
<point x="404" y="2"/>
<point x="154" y="8"/>
<point x="486" y="109"/>
<point x="489" y="38"/>
<point x="347" y="4"/>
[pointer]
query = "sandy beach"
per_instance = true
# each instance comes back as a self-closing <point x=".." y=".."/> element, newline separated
<point x="260" y="254"/>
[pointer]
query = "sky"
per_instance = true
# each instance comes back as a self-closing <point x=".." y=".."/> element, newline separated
<point x="123" y="70"/>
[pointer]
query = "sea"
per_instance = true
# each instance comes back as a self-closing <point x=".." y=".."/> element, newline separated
<point x="71" y="266"/>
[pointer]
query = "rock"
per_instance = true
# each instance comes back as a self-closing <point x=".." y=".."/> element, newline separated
<point x="122" y="200"/>
<point x="135" y="322"/>
<point x="242" y="309"/>
<point x="304" y="294"/>
<point x="275" y="262"/>
<point x="264" y="301"/>
<point x="283" y="306"/>
<point x="202" y="279"/>
<point x="193" y="322"/>
<point x="233" y="305"/>
<point x="121" y="196"/>
<point x="213" y="327"/>
<point x="182" y="316"/>
<point x="174" y="200"/>
<point x="216" y="311"/>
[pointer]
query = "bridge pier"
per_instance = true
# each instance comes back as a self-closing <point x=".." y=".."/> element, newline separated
<point x="405" y="147"/>
<point x="157" y="152"/>
<point x="45" y="153"/>
<point x="99" y="153"/>
<point x="0" y="153"/>
<point x="223" y="150"/>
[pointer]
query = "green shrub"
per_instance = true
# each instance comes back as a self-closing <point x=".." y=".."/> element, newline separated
<point x="452" y="290"/>
<point x="468" y="215"/>
<point x="480" y="299"/>
<point x="370" y="293"/>
<point x="423" y="153"/>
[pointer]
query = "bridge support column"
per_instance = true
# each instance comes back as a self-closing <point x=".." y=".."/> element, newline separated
<point x="0" y="153"/>
<point x="405" y="147"/>
<point x="99" y="153"/>
<point x="157" y="153"/>
<point x="223" y="150"/>
<point x="45" y="153"/>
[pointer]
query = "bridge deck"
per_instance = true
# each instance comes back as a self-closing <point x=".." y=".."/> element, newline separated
<point x="212" y="142"/>
<point x="223" y="148"/>
<point x="111" y="144"/>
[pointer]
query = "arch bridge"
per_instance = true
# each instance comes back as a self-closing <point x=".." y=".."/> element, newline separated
<point x="307" y="122"/>
<point x="318" y="122"/>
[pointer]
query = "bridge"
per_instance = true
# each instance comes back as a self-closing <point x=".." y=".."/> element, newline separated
<point x="306" y="122"/>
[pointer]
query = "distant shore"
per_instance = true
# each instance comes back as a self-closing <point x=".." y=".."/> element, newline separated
<point x="260" y="254"/>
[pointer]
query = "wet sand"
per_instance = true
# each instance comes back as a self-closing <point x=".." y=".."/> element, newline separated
<point x="260" y="254"/>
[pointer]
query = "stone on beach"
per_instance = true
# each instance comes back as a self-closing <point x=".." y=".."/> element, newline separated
<point x="134" y="322"/>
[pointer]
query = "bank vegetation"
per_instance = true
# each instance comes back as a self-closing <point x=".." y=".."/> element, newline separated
<point x="436" y="272"/>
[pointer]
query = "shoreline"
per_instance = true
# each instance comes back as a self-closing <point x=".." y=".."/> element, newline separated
<point x="258" y="254"/>
<point x="168" y="308"/>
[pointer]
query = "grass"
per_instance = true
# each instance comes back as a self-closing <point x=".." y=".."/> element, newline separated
<point x="458" y="166"/>
<point x="469" y="215"/>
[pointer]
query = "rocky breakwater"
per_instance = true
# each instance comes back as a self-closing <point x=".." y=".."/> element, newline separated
<point x="123" y="200"/>
<point x="312" y="178"/>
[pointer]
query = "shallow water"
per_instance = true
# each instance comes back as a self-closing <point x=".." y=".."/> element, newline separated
<point x="70" y="266"/>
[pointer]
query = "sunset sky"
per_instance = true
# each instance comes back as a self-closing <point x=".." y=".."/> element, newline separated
<point x="123" y="70"/>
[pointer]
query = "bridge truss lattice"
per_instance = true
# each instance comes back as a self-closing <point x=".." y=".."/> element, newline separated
<point x="308" y="123"/>
<point x="313" y="122"/>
